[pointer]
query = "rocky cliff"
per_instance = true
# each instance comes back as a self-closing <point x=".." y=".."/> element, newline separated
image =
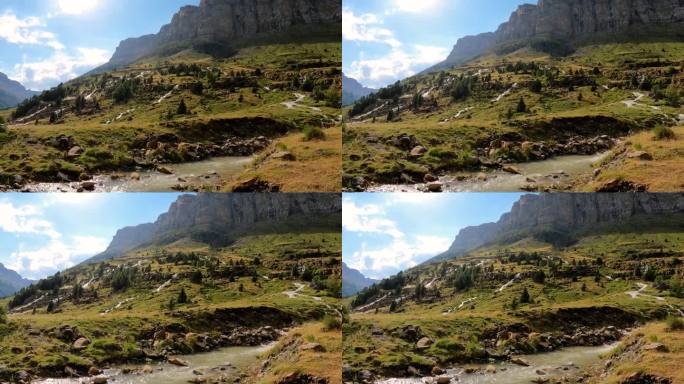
<point x="11" y="281"/>
<point x="12" y="92"/>
<point x="222" y="216"/>
<point x="217" y="24"/>
<point x="570" y="20"/>
<point x="567" y="213"/>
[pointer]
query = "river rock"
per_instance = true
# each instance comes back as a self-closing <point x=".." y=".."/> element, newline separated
<point x="437" y="371"/>
<point x="100" y="380"/>
<point x="165" y="170"/>
<point x="177" y="361"/>
<point x="520" y="361"/>
<point x="93" y="371"/>
<point x="147" y="369"/>
<point x="511" y="169"/>
<point x="88" y="186"/>
<point x="443" y="380"/>
<point x="490" y="369"/>
<point x="435" y="187"/>
<point x="135" y="176"/>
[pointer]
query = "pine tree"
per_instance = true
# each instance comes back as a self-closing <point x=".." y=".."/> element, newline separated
<point x="525" y="296"/>
<point x="182" y="108"/>
<point x="522" y="107"/>
<point x="182" y="297"/>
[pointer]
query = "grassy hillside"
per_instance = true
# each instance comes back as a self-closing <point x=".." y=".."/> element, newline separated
<point x="518" y="107"/>
<point x="182" y="298"/>
<point x="182" y="108"/>
<point x="517" y="298"/>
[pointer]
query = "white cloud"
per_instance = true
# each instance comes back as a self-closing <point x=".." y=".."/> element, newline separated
<point x="25" y="220"/>
<point x="55" y="256"/>
<point x="60" y="67"/>
<point x="400" y="63"/>
<point x="400" y="254"/>
<point x="27" y="31"/>
<point x="367" y="219"/>
<point x="77" y="7"/>
<point x="364" y="28"/>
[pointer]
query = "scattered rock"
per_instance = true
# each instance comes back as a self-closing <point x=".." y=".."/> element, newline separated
<point x="177" y="361"/>
<point x="520" y="361"/>
<point x="620" y="185"/>
<point x="93" y="371"/>
<point x="645" y="378"/>
<point x="135" y="176"/>
<point x="437" y="371"/>
<point x="75" y="152"/>
<point x="418" y="151"/>
<point x="165" y="170"/>
<point x="429" y="178"/>
<point x="435" y="187"/>
<point x="443" y="380"/>
<point x="482" y="176"/>
<point x="100" y="380"/>
<point x="424" y="343"/>
<point x="313" y="347"/>
<point x="88" y="186"/>
<point x="640" y="155"/>
<point x="284" y="156"/>
<point x="490" y="369"/>
<point x="511" y="169"/>
<point x="658" y="347"/>
<point x="147" y="369"/>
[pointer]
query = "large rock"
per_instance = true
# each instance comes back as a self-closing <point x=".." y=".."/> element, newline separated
<point x="81" y="344"/>
<point x="424" y="343"/>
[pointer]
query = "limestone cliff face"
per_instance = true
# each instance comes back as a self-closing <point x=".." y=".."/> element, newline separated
<point x="224" y="213"/>
<point x="569" y="20"/>
<point x="566" y="212"/>
<point x="227" y="21"/>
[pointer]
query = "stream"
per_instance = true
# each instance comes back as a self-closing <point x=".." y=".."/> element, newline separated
<point x="225" y="362"/>
<point x="557" y="172"/>
<point x="206" y="172"/>
<point x="568" y="361"/>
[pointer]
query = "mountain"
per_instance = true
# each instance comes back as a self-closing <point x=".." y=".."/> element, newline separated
<point x="559" y="216"/>
<point x="12" y="92"/>
<point x="354" y="281"/>
<point x="221" y="218"/>
<point x="352" y="90"/>
<point x="220" y="26"/>
<point x="11" y="281"/>
<point x="556" y="25"/>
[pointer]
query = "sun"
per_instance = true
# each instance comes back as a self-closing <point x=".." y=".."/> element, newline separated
<point x="415" y="6"/>
<point x="77" y="7"/>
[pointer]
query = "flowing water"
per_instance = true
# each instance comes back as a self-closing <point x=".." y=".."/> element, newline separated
<point x="560" y="363"/>
<point x="207" y="172"/>
<point x="556" y="172"/>
<point x="225" y="362"/>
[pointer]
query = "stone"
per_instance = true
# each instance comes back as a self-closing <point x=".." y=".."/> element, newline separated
<point x="658" y="347"/>
<point x="443" y="380"/>
<point x="424" y="343"/>
<point x="435" y="187"/>
<point x="81" y="344"/>
<point x="482" y="176"/>
<point x="284" y="156"/>
<point x="165" y="170"/>
<point x="490" y="369"/>
<point x="100" y="380"/>
<point x="418" y="151"/>
<point x="520" y="361"/>
<point x="511" y="169"/>
<point x="176" y="361"/>
<point x="437" y="371"/>
<point x="88" y="186"/>
<point x="640" y="155"/>
<point x="313" y="347"/>
<point x="429" y="178"/>
<point x="147" y="369"/>
<point x="93" y="371"/>
<point x="135" y="176"/>
<point x="75" y="152"/>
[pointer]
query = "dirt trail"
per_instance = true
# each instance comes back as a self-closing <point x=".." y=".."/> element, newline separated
<point x="506" y="93"/>
<point x="501" y="289"/>
<point x="361" y="309"/>
<point x="296" y="103"/>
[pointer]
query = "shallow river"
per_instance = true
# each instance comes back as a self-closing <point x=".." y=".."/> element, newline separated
<point x="558" y="172"/>
<point x="567" y="361"/>
<point x="207" y="172"/>
<point x="225" y="362"/>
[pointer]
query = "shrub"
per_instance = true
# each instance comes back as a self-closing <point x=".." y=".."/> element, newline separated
<point x="182" y="108"/>
<point x="331" y="322"/>
<point x="313" y="133"/>
<point x="197" y="88"/>
<point x="674" y="323"/>
<point x="663" y="133"/>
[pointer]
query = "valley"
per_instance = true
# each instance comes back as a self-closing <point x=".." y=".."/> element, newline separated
<point x="204" y="294"/>
<point x="267" y="95"/>
<point x="564" y="288"/>
<point x="529" y="94"/>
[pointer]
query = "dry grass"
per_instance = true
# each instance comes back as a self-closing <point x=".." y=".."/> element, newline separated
<point x="662" y="174"/>
<point x="317" y="165"/>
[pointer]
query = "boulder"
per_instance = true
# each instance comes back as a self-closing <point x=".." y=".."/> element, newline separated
<point x="176" y="361"/>
<point x="443" y="380"/>
<point x="437" y="371"/>
<point x="435" y="187"/>
<point x="81" y="344"/>
<point x="418" y="151"/>
<point x="313" y="347"/>
<point x="93" y="371"/>
<point x="658" y="347"/>
<point x="135" y="176"/>
<point x="75" y="152"/>
<point x="100" y="380"/>
<point x="640" y="155"/>
<point x="165" y="170"/>
<point x="88" y="186"/>
<point x="424" y="343"/>
<point x="520" y="361"/>
<point x="511" y="169"/>
<point x="284" y="156"/>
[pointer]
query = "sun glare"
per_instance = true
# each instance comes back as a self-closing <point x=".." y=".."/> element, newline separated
<point x="415" y="6"/>
<point x="77" y="7"/>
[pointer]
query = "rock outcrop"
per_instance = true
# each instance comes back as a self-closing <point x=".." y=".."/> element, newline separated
<point x="570" y="20"/>
<point x="565" y="212"/>
<point x="219" y="217"/>
<point x="12" y="92"/>
<point x="222" y="23"/>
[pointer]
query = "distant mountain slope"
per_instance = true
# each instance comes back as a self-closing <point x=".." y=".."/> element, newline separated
<point x="11" y="281"/>
<point x="352" y="90"/>
<point x="219" y="26"/>
<point x="556" y="217"/>
<point x="555" y="25"/>
<point x="12" y="92"/>
<point x="220" y="218"/>
<point x="354" y="281"/>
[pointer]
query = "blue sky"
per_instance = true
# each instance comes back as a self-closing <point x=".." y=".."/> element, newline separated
<point x="384" y="233"/>
<point x="389" y="40"/>
<point x="45" y="42"/>
<point x="41" y="234"/>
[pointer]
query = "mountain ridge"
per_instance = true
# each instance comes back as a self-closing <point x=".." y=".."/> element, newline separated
<point x="352" y="90"/>
<point x="11" y="281"/>
<point x="354" y="281"/>
<point x="220" y="217"/>
<point x="12" y="92"/>
<point x="557" y="22"/>
<point x="216" y="26"/>
<point x="566" y="213"/>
